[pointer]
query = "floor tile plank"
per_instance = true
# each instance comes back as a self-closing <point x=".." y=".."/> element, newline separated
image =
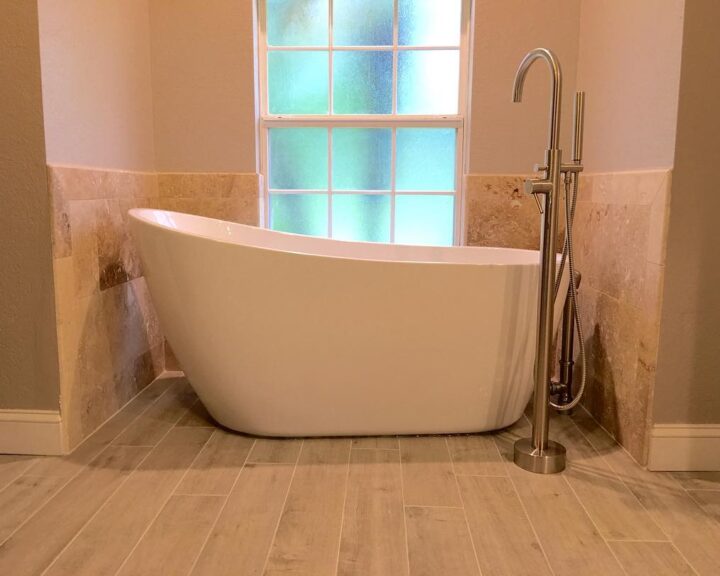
<point x="614" y="509"/>
<point x="36" y="543"/>
<point x="308" y="536"/>
<point x="708" y="500"/>
<point x="154" y="423"/>
<point x="376" y="443"/>
<point x="476" y="455"/>
<point x="373" y="536"/>
<point x="12" y="466"/>
<point x="504" y="539"/>
<point x="275" y="451"/>
<point x="428" y="478"/>
<point x="120" y="523"/>
<point x="439" y="542"/>
<point x="695" y="534"/>
<point x="651" y="559"/>
<point x="698" y="480"/>
<point x="239" y="542"/>
<point x="218" y="465"/>
<point x="175" y="538"/>
<point x="23" y="497"/>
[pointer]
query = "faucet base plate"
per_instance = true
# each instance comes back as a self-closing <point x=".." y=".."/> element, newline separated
<point x="548" y="461"/>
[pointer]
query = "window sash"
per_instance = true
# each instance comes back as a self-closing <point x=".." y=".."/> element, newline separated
<point x="266" y="121"/>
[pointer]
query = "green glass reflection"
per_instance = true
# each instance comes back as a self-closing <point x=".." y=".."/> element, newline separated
<point x="298" y="82"/>
<point x="429" y="22"/>
<point x="297" y="23"/>
<point x="425" y="159"/>
<point x="362" y="82"/>
<point x="299" y="213"/>
<point x="361" y="217"/>
<point x="298" y="158"/>
<point x="424" y="219"/>
<point x="363" y="22"/>
<point x="428" y="82"/>
<point x="361" y="158"/>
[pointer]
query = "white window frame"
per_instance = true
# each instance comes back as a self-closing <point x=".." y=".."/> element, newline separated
<point x="459" y="121"/>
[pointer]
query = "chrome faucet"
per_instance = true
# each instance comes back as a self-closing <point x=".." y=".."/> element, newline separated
<point x="539" y="453"/>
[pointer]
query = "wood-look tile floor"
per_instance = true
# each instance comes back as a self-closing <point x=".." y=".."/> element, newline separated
<point x="161" y="490"/>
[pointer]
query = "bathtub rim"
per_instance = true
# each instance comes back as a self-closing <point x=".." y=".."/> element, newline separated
<point x="529" y="257"/>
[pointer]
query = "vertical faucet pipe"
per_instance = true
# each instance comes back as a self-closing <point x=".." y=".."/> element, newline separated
<point x="537" y="453"/>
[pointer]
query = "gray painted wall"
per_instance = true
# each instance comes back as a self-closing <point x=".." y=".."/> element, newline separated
<point x="28" y="340"/>
<point x="688" y="380"/>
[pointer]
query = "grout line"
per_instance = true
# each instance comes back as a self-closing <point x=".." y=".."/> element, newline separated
<point x="522" y="504"/>
<point x="222" y="509"/>
<point x="282" y="510"/>
<point x="402" y="494"/>
<point x="462" y="501"/>
<point x="433" y="506"/>
<point x="342" y="517"/>
<point x="81" y="469"/>
<point x="102" y="506"/>
<point x="165" y="503"/>
<point x="624" y="482"/>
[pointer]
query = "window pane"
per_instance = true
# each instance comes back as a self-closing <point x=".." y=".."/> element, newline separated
<point x="428" y="81"/>
<point x="363" y="22"/>
<point x="429" y="22"/>
<point x="425" y="159"/>
<point x="298" y="158"/>
<point x="299" y="213"/>
<point x="297" y="22"/>
<point x="426" y="219"/>
<point x="361" y="217"/>
<point x="361" y="158"/>
<point x="298" y="82"/>
<point x="362" y="82"/>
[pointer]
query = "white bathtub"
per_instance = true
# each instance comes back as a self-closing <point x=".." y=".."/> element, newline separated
<point x="287" y="335"/>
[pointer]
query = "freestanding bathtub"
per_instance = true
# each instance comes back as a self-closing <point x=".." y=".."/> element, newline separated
<point x="288" y="335"/>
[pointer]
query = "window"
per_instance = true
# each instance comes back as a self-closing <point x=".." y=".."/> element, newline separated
<point x="362" y="117"/>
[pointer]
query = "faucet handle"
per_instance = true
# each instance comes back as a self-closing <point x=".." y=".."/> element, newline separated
<point x="537" y="186"/>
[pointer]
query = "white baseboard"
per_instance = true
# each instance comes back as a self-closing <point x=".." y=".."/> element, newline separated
<point x="37" y="432"/>
<point x="685" y="447"/>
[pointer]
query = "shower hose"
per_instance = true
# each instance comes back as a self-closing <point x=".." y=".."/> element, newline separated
<point x="571" y="182"/>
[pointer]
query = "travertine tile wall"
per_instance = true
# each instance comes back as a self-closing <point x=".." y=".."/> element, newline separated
<point x="499" y="213"/>
<point x="620" y="237"/>
<point x="620" y="230"/>
<point x="111" y="344"/>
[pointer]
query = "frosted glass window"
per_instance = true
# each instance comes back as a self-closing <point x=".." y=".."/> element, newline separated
<point x="424" y="219"/>
<point x="361" y="119"/>
<point x="361" y="217"/>
<point x="299" y="213"/>
<point x="428" y="81"/>
<point x="426" y="159"/>
<point x="363" y="22"/>
<point x="429" y="22"/>
<point x="298" y="158"/>
<point x="362" y="82"/>
<point x="298" y="82"/>
<point x="361" y="158"/>
<point x="297" y="22"/>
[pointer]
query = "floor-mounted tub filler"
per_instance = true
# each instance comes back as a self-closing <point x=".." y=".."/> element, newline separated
<point x="289" y="335"/>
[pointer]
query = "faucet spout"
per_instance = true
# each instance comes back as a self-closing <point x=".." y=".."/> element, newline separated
<point x="554" y="65"/>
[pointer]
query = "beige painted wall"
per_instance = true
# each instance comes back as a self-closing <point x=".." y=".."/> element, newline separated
<point x="203" y="84"/>
<point x="97" y="88"/>
<point x="28" y="344"/>
<point x="629" y="65"/>
<point x="507" y="138"/>
<point x="688" y="377"/>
